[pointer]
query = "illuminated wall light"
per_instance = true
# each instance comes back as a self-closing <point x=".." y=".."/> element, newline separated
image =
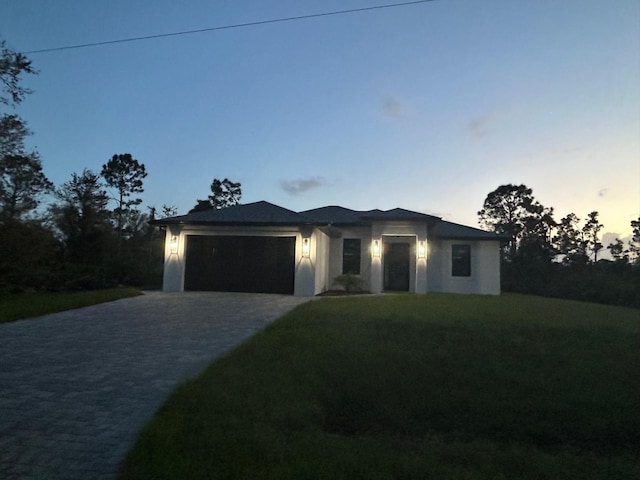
<point x="306" y="247"/>
<point x="375" y="248"/>
<point x="173" y="244"/>
<point x="422" y="249"/>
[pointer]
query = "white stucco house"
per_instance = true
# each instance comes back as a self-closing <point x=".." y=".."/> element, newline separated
<point x="261" y="247"/>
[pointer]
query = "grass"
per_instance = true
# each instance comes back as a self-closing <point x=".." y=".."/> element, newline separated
<point x="25" y="305"/>
<point x="412" y="387"/>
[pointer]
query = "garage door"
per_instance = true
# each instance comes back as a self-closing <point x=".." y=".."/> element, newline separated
<point x="240" y="264"/>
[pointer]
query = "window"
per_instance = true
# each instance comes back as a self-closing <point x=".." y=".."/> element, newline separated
<point x="351" y="256"/>
<point x="461" y="260"/>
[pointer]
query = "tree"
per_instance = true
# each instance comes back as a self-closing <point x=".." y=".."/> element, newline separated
<point x="169" y="211"/>
<point x="13" y="130"/>
<point x="634" y="242"/>
<point x="21" y="176"/>
<point x="82" y="218"/>
<point x="512" y="210"/>
<point x="135" y="224"/>
<point x="591" y="232"/>
<point x="536" y="242"/>
<point x="125" y="174"/>
<point x="12" y="65"/>
<point x="618" y="252"/>
<point x="569" y="242"/>
<point x="30" y="250"/>
<point x="225" y="193"/>
<point x="155" y="246"/>
<point x="22" y="182"/>
<point x="29" y="256"/>
<point x="12" y="134"/>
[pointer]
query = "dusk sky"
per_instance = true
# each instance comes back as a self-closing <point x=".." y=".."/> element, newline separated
<point x="427" y="107"/>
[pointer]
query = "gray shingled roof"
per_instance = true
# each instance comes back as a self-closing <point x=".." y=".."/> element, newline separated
<point x="257" y="213"/>
<point x="453" y="231"/>
<point x="265" y="213"/>
<point x="333" y="214"/>
<point x="397" y="214"/>
<point x="344" y="216"/>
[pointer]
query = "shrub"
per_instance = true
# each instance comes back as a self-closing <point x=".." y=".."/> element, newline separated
<point x="349" y="282"/>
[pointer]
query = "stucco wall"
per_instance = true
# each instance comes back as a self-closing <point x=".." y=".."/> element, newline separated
<point x="321" y="246"/>
<point x="485" y="268"/>
<point x="335" y="254"/>
<point x="435" y="260"/>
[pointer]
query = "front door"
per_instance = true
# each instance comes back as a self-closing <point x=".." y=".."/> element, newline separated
<point x="396" y="267"/>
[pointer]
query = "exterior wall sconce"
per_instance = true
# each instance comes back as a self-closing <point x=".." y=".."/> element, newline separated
<point x="422" y="249"/>
<point x="375" y="248"/>
<point x="173" y="244"/>
<point x="306" y="247"/>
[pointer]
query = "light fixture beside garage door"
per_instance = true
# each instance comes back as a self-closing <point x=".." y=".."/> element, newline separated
<point x="422" y="249"/>
<point x="173" y="244"/>
<point x="306" y="247"/>
<point x="375" y="248"/>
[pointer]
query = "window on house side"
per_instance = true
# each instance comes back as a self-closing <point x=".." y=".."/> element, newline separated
<point x="351" y="256"/>
<point x="461" y="260"/>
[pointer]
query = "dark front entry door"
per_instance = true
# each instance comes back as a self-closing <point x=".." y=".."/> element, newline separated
<point x="240" y="264"/>
<point x="396" y="267"/>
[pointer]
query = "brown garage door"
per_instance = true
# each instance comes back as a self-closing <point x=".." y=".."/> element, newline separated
<point x="240" y="264"/>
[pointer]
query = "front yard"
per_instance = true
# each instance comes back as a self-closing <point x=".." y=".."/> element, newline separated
<point x="412" y="387"/>
<point x="25" y="305"/>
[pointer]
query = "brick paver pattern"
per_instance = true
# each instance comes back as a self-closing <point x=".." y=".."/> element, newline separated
<point x="76" y="387"/>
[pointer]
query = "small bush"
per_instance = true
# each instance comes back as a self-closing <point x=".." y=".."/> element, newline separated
<point x="349" y="282"/>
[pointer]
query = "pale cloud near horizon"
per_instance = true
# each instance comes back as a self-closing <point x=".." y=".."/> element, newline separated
<point x="301" y="185"/>
<point x="607" y="239"/>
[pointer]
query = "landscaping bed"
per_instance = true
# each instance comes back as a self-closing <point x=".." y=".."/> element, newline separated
<point x="342" y="293"/>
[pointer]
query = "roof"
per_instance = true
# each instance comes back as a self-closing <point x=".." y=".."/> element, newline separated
<point x="398" y="214"/>
<point x="332" y="214"/>
<point x="257" y="213"/>
<point x="344" y="216"/>
<point x="453" y="231"/>
<point x="265" y="213"/>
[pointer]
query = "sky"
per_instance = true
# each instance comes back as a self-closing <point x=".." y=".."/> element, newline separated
<point x="427" y="107"/>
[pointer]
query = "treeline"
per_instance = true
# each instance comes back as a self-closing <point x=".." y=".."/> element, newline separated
<point x="86" y="233"/>
<point x="560" y="258"/>
<point x="90" y="235"/>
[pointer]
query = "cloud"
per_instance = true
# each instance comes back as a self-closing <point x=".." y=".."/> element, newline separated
<point x="607" y="239"/>
<point x="301" y="185"/>
<point x="480" y="126"/>
<point x="602" y="192"/>
<point x="392" y="107"/>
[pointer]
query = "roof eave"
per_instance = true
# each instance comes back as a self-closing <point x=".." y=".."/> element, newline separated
<point x="233" y="224"/>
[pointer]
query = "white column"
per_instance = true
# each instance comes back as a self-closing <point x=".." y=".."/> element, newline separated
<point x="174" y="256"/>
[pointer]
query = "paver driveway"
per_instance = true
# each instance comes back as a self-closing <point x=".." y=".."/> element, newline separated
<point x="77" y="386"/>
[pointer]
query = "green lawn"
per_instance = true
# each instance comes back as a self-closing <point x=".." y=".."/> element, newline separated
<point x="25" y="305"/>
<point x="412" y="387"/>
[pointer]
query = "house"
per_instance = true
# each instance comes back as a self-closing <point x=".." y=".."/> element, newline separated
<point x="261" y="247"/>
